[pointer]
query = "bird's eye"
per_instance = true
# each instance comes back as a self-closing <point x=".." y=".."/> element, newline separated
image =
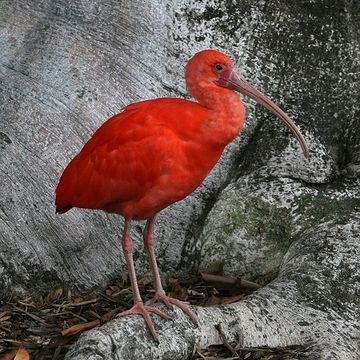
<point x="219" y="68"/>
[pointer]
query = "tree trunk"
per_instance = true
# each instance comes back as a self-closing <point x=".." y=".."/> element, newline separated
<point x="265" y="212"/>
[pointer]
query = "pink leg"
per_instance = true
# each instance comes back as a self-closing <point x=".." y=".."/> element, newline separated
<point x="149" y="240"/>
<point x="138" y="307"/>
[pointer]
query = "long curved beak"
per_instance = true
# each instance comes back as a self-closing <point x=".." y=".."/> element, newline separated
<point x="238" y="83"/>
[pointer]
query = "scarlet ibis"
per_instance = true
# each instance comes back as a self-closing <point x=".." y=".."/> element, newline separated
<point x="156" y="152"/>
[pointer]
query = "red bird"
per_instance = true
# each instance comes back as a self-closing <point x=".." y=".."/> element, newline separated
<point x="156" y="152"/>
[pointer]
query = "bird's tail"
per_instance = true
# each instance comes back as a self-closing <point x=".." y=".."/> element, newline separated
<point x="64" y="193"/>
<point x="63" y="210"/>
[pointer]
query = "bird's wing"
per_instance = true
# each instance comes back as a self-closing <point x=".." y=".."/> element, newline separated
<point x="126" y="155"/>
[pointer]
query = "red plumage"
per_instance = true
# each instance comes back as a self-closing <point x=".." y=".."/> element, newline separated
<point x="157" y="152"/>
<point x="141" y="160"/>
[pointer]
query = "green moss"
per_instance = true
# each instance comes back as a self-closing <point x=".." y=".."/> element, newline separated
<point x="261" y="219"/>
<point x="323" y="206"/>
<point x="4" y="6"/>
<point x="267" y="228"/>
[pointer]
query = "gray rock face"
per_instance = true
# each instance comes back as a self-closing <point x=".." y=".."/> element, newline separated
<point x="65" y="69"/>
<point x="296" y="308"/>
<point x="265" y="212"/>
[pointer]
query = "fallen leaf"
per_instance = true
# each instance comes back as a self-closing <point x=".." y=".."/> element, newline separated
<point x="221" y="282"/>
<point x="108" y="292"/>
<point x="22" y="354"/>
<point x="110" y="314"/>
<point x="231" y="299"/>
<point x="228" y="282"/>
<point x="114" y="288"/>
<point x="145" y="281"/>
<point x="54" y="294"/>
<point x="121" y="292"/>
<point x="213" y="300"/>
<point x="3" y="313"/>
<point x="177" y="290"/>
<point x="59" y="341"/>
<point x="197" y="294"/>
<point x="75" y="329"/>
<point x="8" y="356"/>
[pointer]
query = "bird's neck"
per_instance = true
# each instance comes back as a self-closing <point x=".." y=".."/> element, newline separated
<point x="226" y="114"/>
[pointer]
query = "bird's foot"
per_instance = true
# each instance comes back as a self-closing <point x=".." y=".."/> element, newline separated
<point x="140" y="308"/>
<point x="169" y="302"/>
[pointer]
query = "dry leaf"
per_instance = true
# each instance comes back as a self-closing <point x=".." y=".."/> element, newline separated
<point x="177" y="290"/>
<point x="231" y="299"/>
<point x="4" y="313"/>
<point x="54" y="294"/>
<point x="22" y="354"/>
<point x="114" y="288"/>
<point x="144" y="281"/>
<point x="108" y="292"/>
<point x="80" y="327"/>
<point x="8" y="356"/>
<point x="213" y="300"/>
<point x="121" y="292"/>
<point x="110" y="314"/>
<point x="196" y="293"/>
<point x="5" y="318"/>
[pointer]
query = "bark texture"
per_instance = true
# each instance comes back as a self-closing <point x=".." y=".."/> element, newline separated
<point x="264" y="212"/>
<point x="298" y="308"/>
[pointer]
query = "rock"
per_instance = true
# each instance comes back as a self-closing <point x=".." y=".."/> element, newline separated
<point x="302" y="306"/>
<point x="65" y="69"/>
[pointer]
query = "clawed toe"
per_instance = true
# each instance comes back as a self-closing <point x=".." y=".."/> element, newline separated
<point x="161" y="298"/>
<point x="144" y="310"/>
<point x="169" y="302"/>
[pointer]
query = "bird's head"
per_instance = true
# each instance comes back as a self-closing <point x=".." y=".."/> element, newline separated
<point x="208" y="68"/>
<point x="211" y="69"/>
